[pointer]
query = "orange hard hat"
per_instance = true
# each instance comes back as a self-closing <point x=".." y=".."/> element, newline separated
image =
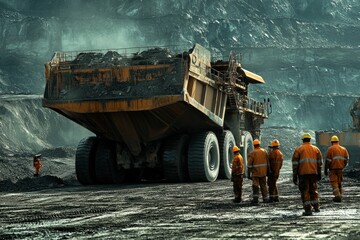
<point x="235" y="149"/>
<point x="275" y="143"/>
<point x="256" y="142"/>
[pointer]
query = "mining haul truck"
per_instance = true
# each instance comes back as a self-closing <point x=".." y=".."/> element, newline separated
<point x="156" y="114"/>
<point x="349" y="138"/>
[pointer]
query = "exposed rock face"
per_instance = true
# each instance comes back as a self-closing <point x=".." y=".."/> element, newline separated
<point x="306" y="50"/>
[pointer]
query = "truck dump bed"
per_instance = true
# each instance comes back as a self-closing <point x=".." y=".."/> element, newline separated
<point x="138" y="97"/>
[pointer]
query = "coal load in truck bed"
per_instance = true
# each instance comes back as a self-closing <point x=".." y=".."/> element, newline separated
<point x="168" y="83"/>
<point x="112" y="58"/>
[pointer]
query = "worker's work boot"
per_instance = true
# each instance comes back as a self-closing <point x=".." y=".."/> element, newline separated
<point x="307" y="212"/>
<point x="36" y="174"/>
<point x="255" y="201"/>
<point x="237" y="200"/>
<point x="271" y="199"/>
<point x="316" y="209"/>
<point x="276" y="199"/>
<point x="337" y="199"/>
<point x="266" y="200"/>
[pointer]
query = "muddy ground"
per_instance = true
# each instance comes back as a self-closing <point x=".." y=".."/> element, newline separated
<point x="55" y="206"/>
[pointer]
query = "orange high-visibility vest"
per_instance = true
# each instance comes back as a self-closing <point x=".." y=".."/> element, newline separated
<point x="275" y="160"/>
<point x="258" y="162"/>
<point x="337" y="157"/>
<point x="237" y="166"/>
<point x="307" y="159"/>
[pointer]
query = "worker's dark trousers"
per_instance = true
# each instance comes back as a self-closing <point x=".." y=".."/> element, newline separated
<point x="273" y="190"/>
<point x="259" y="182"/>
<point x="309" y="191"/>
<point x="336" y="177"/>
<point x="237" y="185"/>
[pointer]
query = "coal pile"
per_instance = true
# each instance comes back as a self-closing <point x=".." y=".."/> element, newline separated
<point x="163" y="83"/>
<point x="112" y="58"/>
<point x="353" y="174"/>
<point x="31" y="184"/>
<point x="152" y="57"/>
<point x="99" y="60"/>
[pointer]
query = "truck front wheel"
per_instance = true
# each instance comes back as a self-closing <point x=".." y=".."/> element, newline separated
<point x="204" y="157"/>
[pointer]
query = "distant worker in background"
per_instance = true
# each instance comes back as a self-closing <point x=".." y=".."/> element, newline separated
<point x="306" y="163"/>
<point x="337" y="157"/>
<point x="275" y="161"/>
<point x="37" y="164"/>
<point x="237" y="174"/>
<point x="258" y="167"/>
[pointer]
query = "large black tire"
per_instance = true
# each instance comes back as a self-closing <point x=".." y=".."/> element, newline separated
<point x="105" y="164"/>
<point x="175" y="162"/>
<point x="204" y="157"/>
<point x="226" y="143"/>
<point x="85" y="160"/>
<point x="247" y="149"/>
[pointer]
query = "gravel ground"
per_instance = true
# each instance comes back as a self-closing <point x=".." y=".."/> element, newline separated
<point x="51" y="207"/>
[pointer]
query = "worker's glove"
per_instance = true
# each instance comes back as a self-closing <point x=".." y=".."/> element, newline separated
<point x="325" y="171"/>
<point x="295" y="179"/>
<point x="318" y="176"/>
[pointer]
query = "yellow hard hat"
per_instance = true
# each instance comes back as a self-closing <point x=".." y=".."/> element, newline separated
<point x="235" y="149"/>
<point x="334" y="138"/>
<point x="275" y="143"/>
<point x="306" y="135"/>
<point x="256" y="142"/>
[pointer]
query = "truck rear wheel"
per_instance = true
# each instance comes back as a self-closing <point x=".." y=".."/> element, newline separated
<point x="105" y="164"/>
<point x="226" y="143"/>
<point x="175" y="160"/>
<point x="204" y="157"/>
<point x="247" y="148"/>
<point x="85" y="160"/>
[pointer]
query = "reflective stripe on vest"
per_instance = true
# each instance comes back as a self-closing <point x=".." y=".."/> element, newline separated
<point x="260" y="165"/>
<point x="310" y="160"/>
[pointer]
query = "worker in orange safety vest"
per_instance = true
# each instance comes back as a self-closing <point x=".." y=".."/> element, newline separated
<point x="37" y="164"/>
<point x="337" y="157"/>
<point x="237" y="174"/>
<point x="306" y="164"/>
<point x="258" y="168"/>
<point x="275" y="161"/>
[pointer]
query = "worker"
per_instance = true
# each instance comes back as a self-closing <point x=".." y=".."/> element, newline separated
<point x="306" y="164"/>
<point x="337" y="157"/>
<point x="275" y="161"/>
<point x="258" y="167"/>
<point x="237" y="174"/>
<point x="37" y="164"/>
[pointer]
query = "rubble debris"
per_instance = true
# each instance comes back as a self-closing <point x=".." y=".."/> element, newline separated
<point x="353" y="173"/>
<point x="31" y="184"/>
<point x="59" y="152"/>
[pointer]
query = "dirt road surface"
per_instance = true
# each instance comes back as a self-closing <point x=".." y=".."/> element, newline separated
<point x="160" y="210"/>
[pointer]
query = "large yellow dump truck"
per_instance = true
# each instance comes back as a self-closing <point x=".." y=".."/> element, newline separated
<point x="155" y="113"/>
<point x="349" y="138"/>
